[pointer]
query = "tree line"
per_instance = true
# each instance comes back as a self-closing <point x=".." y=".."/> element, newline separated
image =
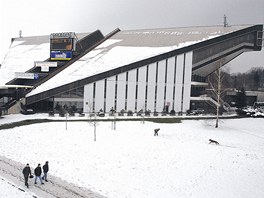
<point x="221" y="81"/>
<point x="252" y="80"/>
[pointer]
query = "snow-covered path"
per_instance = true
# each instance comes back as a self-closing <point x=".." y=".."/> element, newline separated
<point x="55" y="188"/>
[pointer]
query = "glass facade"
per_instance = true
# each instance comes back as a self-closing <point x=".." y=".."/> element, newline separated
<point x="70" y="100"/>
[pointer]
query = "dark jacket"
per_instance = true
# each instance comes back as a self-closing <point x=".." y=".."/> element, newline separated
<point x="46" y="168"/>
<point x="38" y="171"/>
<point x="26" y="171"/>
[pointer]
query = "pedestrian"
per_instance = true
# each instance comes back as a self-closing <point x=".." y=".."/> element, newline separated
<point x="45" y="171"/>
<point x="26" y="172"/>
<point x="38" y="172"/>
<point x="156" y="132"/>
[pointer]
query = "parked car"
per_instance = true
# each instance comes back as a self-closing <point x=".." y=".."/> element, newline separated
<point x="27" y="111"/>
<point x="196" y="111"/>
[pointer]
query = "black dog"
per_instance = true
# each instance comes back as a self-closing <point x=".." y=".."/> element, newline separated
<point x="213" y="141"/>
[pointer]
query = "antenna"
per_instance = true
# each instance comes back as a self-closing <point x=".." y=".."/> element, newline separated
<point x="20" y="33"/>
<point x="225" y="21"/>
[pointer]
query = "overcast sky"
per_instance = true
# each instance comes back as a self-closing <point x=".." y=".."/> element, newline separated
<point x="42" y="17"/>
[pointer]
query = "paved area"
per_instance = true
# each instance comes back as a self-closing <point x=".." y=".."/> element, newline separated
<point x="54" y="188"/>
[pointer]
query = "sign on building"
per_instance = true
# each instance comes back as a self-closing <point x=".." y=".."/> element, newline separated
<point x="60" y="55"/>
<point x="45" y="65"/>
<point x="62" y="45"/>
<point x="23" y="75"/>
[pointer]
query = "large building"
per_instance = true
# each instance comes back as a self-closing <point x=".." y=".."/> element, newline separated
<point x="151" y="69"/>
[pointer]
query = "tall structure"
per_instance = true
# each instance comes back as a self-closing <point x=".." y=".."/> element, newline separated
<point x="20" y="33"/>
<point x="225" y="21"/>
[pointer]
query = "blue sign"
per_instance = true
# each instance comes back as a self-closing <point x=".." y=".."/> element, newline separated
<point x="60" y="55"/>
<point x="36" y="76"/>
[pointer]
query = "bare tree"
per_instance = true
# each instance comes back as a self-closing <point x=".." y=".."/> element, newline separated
<point x="91" y="117"/>
<point x="216" y="82"/>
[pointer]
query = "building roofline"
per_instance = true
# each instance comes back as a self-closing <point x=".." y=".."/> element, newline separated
<point x="124" y="68"/>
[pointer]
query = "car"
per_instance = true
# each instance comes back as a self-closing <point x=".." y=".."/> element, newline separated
<point x="27" y="111"/>
<point x="197" y="111"/>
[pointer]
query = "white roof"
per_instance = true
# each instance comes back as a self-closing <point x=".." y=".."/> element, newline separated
<point x="123" y="48"/>
<point x="100" y="60"/>
<point x="20" y="58"/>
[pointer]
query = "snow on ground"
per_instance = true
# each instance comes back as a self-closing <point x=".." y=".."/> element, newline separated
<point x="7" y="189"/>
<point x="131" y="162"/>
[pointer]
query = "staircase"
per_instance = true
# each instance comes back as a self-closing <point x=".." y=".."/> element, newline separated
<point x="212" y="102"/>
<point x="205" y="98"/>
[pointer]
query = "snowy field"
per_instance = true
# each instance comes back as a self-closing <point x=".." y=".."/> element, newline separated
<point x="131" y="162"/>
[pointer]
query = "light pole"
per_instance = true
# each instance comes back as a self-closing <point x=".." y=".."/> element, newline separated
<point x="94" y="127"/>
<point x="66" y="116"/>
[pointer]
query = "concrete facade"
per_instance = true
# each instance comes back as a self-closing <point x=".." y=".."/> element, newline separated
<point x="150" y="87"/>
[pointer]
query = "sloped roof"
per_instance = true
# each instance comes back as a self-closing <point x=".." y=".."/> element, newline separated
<point x="131" y="46"/>
<point x="166" y="37"/>
<point x="22" y="54"/>
<point x="124" y="48"/>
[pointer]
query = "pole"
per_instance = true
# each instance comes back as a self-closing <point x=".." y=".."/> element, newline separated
<point x="218" y="94"/>
<point x="66" y="121"/>
<point x="95" y="127"/>
<point x="114" y="121"/>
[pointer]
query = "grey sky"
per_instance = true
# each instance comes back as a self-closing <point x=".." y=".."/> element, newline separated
<point x="42" y="17"/>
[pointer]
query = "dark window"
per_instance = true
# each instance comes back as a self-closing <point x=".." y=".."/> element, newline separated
<point x="174" y="82"/>
<point x="136" y="91"/>
<point x="156" y="87"/>
<point x="61" y="44"/>
<point x="146" y="92"/>
<point x="126" y="91"/>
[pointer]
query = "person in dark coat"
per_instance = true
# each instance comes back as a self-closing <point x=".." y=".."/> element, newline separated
<point x="45" y="171"/>
<point x="26" y="172"/>
<point x="38" y="172"/>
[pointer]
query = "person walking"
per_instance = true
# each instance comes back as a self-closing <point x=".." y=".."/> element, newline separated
<point x="26" y="172"/>
<point x="45" y="171"/>
<point x="38" y="172"/>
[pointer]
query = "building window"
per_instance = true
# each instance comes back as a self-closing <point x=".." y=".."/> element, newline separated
<point x="116" y="86"/>
<point x="105" y="90"/>
<point x="94" y="88"/>
<point x="183" y="78"/>
<point x="156" y="86"/>
<point x="165" y="85"/>
<point x="136" y="94"/>
<point x="146" y="91"/>
<point x="126" y="91"/>
<point x="174" y="83"/>
<point x="72" y="99"/>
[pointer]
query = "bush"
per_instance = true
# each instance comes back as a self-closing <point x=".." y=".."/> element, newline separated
<point x="122" y="112"/>
<point x="147" y="113"/>
<point x="140" y="112"/>
<point x="130" y="113"/>
<point x="51" y="113"/>
<point x="62" y="112"/>
<point x="172" y="112"/>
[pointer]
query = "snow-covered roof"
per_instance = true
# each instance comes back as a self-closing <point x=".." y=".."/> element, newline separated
<point x="124" y="48"/>
<point x="127" y="47"/>
<point x="168" y="37"/>
<point x="22" y="54"/>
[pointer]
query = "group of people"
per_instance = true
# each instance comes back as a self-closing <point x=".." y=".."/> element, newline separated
<point x="37" y="171"/>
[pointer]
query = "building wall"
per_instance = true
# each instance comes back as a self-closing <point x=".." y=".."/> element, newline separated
<point x="153" y="87"/>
